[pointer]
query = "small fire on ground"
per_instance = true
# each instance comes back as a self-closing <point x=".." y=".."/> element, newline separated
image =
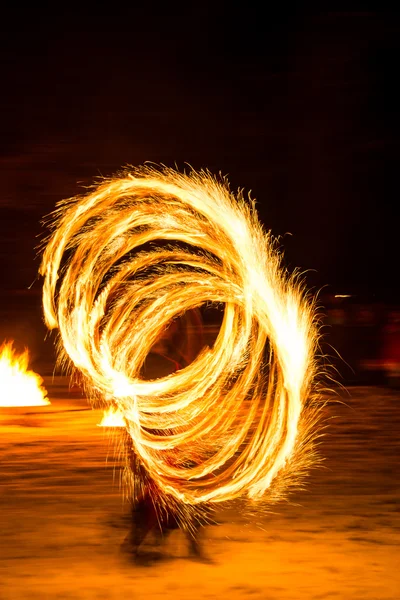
<point x="112" y="418"/>
<point x="18" y="385"/>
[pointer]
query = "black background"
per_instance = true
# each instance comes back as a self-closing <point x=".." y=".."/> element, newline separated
<point x="299" y="107"/>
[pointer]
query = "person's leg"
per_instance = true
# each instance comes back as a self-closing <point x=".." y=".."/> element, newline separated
<point x="194" y="546"/>
<point x="142" y="522"/>
<point x="161" y="533"/>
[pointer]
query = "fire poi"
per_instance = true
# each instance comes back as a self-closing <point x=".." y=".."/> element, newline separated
<point x="134" y="254"/>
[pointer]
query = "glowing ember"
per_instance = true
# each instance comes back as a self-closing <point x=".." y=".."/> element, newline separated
<point x="240" y="419"/>
<point x="18" y="385"/>
<point x="112" y="418"/>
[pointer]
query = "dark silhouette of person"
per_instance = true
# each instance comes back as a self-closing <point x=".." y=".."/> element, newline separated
<point x="148" y="516"/>
<point x="146" y="513"/>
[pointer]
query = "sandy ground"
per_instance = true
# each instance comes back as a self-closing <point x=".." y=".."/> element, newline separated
<point x="63" y="522"/>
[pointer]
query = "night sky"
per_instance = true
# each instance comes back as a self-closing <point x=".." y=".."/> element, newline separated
<point x="300" y="108"/>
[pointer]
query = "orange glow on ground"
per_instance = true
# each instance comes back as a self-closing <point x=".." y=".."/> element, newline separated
<point x="18" y="385"/>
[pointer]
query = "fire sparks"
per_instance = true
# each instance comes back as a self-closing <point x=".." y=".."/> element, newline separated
<point x="240" y="419"/>
<point x="18" y="385"/>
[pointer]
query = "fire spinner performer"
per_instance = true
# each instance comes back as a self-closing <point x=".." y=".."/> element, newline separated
<point x="136" y="253"/>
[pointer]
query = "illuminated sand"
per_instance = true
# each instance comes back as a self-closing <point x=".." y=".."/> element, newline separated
<point x="63" y="522"/>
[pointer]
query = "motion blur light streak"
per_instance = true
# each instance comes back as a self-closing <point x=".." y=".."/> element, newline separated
<point x="18" y="385"/>
<point x="137" y="252"/>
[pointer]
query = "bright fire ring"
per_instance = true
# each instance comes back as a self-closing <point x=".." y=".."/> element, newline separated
<point x="18" y="385"/>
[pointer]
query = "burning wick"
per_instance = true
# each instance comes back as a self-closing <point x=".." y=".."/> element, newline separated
<point x="18" y="385"/>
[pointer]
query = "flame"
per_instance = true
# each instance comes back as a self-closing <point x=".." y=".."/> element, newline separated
<point x="240" y="419"/>
<point x="18" y="385"/>
<point x="112" y="418"/>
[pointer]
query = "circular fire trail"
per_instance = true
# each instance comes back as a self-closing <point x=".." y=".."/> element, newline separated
<point x="139" y="251"/>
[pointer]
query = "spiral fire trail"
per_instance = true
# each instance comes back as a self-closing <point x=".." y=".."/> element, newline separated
<point x="241" y="413"/>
